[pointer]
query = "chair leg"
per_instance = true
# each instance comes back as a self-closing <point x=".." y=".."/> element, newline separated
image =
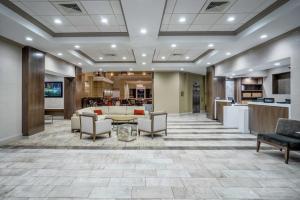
<point x="166" y="132"/>
<point x="257" y="146"/>
<point x="152" y="135"/>
<point x="94" y="137"/>
<point x="139" y="132"/>
<point x="109" y="133"/>
<point x="287" y="155"/>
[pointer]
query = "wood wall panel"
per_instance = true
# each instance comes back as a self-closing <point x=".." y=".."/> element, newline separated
<point x="33" y="75"/>
<point x="220" y="110"/>
<point x="73" y="87"/>
<point x="263" y="119"/>
<point x="215" y="88"/>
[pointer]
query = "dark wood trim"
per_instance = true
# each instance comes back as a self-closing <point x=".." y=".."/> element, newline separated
<point x="54" y="112"/>
<point x="33" y="75"/>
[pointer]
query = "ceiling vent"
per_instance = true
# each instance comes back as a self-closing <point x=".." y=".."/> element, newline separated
<point x="217" y="6"/>
<point x="110" y="55"/>
<point x="69" y="7"/>
<point x="176" y="54"/>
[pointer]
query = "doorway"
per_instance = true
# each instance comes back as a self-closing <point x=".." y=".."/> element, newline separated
<point x="196" y="97"/>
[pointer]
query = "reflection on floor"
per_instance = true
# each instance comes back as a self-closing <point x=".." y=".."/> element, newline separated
<point x="215" y="172"/>
<point x="184" y="132"/>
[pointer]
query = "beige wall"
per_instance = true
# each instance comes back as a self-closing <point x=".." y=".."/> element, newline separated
<point x="168" y="90"/>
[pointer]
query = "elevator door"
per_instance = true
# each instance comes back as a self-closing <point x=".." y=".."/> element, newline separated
<point x="196" y="97"/>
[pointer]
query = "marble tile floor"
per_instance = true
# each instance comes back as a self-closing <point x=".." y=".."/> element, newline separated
<point x="199" y="164"/>
<point x="56" y="174"/>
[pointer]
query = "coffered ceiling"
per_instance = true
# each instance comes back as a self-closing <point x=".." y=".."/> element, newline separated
<point x="146" y="35"/>
<point x="77" y="15"/>
<point x="211" y="15"/>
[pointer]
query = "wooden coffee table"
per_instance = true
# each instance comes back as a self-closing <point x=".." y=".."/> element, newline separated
<point x="117" y="120"/>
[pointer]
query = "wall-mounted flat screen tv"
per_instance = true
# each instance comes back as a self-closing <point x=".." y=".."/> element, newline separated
<point x="53" y="89"/>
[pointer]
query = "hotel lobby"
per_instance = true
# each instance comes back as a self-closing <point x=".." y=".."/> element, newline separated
<point x="140" y="99"/>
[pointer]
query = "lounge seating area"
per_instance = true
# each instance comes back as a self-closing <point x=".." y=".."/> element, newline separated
<point x="149" y="99"/>
<point x="286" y="137"/>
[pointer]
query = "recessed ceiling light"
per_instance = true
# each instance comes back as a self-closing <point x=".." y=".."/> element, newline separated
<point x="163" y="57"/>
<point x="104" y="20"/>
<point x="277" y="64"/>
<point x="144" y="55"/>
<point x="263" y="36"/>
<point x="143" y="63"/>
<point x="59" y="54"/>
<point x="230" y="19"/>
<point x="124" y="58"/>
<point x="231" y="77"/>
<point x="228" y="54"/>
<point x="173" y="45"/>
<point x="130" y="69"/>
<point x="208" y="63"/>
<point x="113" y="46"/>
<point x="233" y="74"/>
<point x="143" y="31"/>
<point x="250" y="70"/>
<point x="100" y="69"/>
<point x="211" y="45"/>
<point x="182" y="19"/>
<point x="77" y="46"/>
<point x="79" y="64"/>
<point x="181" y="69"/>
<point x="101" y="58"/>
<point x="144" y="73"/>
<point x="152" y="69"/>
<point x="28" y="38"/>
<point x="111" y="73"/>
<point x="57" y="21"/>
<point x="187" y="57"/>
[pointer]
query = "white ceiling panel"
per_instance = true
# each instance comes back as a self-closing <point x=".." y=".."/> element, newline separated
<point x="120" y="19"/>
<point x="87" y="28"/>
<point x="238" y="19"/>
<point x="80" y="20"/>
<point x="50" y="20"/>
<point x="199" y="27"/>
<point x="111" y="20"/>
<point x="164" y="27"/>
<point x="116" y="6"/>
<point x="207" y="19"/>
<point x="123" y="28"/>
<point x="109" y="28"/>
<point x="166" y="19"/>
<point x="66" y="29"/>
<point x="188" y="6"/>
<point x="97" y="7"/>
<point x="175" y="18"/>
<point x="41" y="8"/>
<point x="170" y="6"/>
<point x="263" y="5"/>
<point x="182" y="27"/>
<point x="244" y="6"/>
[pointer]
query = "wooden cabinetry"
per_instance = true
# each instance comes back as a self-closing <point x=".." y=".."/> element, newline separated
<point x="251" y="88"/>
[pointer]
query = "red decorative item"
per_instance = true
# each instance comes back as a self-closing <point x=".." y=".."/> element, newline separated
<point x="98" y="112"/>
<point x="139" y="112"/>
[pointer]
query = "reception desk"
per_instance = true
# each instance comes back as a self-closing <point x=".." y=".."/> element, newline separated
<point x="236" y="116"/>
<point x="263" y="117"/>
<point x="219" y="108"/>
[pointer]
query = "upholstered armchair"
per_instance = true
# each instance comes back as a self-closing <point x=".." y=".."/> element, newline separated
<point x="156" y="123"/>
<point x="91" y="126"/>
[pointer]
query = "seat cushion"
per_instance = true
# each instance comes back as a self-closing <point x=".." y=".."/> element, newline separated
<point x="292" y="143"/>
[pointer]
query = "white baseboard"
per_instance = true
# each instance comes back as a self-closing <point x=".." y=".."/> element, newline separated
<point x="10" y="139"/>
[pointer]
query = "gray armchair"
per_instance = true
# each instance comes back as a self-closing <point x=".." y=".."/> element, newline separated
<point x="286" y="137"/>
<point x="156" y="123"/>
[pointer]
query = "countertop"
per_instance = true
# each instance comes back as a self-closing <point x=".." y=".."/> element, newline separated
<point x="270" y="104"/>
